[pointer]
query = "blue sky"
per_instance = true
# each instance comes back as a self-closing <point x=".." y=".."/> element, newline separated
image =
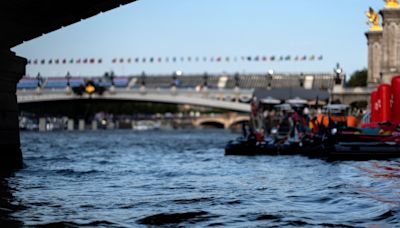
<point x="210" y="28"/>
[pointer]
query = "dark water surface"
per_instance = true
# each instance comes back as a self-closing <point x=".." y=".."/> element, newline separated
<point x="182" y="178"/>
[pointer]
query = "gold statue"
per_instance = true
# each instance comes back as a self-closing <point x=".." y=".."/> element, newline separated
<point x="392" y="3"/>
<point x="373" y="19"/>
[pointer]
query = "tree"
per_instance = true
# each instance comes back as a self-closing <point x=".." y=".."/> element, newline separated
<point x="358" y="78"/>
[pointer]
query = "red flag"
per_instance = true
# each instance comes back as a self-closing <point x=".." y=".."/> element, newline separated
<point x="78" y="61"/>
<point x="85" y="60"/>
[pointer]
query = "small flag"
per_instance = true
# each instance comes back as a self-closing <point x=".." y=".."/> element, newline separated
<point x="296" y="58"/>
<point x="173" y="59"/>
<point x="320" y="57"/>
<point x="151" y="59"/>
<point x="100" y="61"/>
<point x="92" y="61"/>
<point x="281" y="58"/>
<point x="143" y="60"/>
<point x="78" y="61"/>
<point x="272" y="58"/>
<point x="71" y="61"/>
<point x="204" y="59"/>
<point x="129" y="60"/>
<point x="50" y="61"/>
<point x="42" y="61"/>
<point x="121" y="60"/>
<point x="249" y="58"/>
<point x="35" y="61"/>
<point x="256" y="58"/>
<point x="288" y="57"/>
<point x="56" y="61"/>
<point x="136" y="60"/>
<point x="312" y="58"/>
<point x="64" y="61"/>
<point x="264" y="58"/>
<point x="29" y="61"/>
<point x="85" y="60"/>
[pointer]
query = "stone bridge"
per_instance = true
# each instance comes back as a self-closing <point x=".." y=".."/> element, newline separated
<point x="225" y="121"/>
<point x="232" y="100"/>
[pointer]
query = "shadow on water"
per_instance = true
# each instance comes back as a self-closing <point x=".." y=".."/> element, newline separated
<point x="6" y="205"/>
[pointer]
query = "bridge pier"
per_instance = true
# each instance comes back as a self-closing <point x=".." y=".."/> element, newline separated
<point x="12" y="69"/>
<point x="70" y="124"/>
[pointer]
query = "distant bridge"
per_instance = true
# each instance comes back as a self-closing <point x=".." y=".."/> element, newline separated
<point x="229" y="92"/>
<point x="234" y="100"/>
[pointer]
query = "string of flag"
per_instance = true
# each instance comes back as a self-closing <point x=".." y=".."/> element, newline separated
<point x="138" y="60"/>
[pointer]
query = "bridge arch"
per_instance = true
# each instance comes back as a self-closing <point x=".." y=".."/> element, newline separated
<point x="214" y="124"/>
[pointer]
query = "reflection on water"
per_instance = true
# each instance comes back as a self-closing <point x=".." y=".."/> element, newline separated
<point x="125" y="179"/>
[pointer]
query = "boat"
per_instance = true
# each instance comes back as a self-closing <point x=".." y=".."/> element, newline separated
<point x="336" y="136"/>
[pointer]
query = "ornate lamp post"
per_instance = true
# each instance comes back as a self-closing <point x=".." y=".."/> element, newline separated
<point x="270" y="75"/>
<point x="68" y="77"/>
<point x="205" y="79"/>
<point x="237" y="80"/>
<point x="143" y="83"/>
<point x="39" y="80"/>
<point x="301" y="80"/>
<point x="39" y="83"/>
<point x="338" y="73"/>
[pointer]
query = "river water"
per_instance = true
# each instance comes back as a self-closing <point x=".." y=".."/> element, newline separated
<point x="182" y="178"/>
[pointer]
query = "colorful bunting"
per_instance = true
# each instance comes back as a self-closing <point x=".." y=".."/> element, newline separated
<point x="218" y="59"/>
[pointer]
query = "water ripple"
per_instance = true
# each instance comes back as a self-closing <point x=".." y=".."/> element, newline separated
<point x="181" y="178"/>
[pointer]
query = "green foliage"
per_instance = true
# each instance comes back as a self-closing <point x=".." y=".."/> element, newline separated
<point x="358" y="78"/>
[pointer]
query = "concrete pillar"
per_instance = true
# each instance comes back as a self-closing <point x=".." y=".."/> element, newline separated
<point x="94" y="125"/>
<point x="390" y="44"/>
<point x="374" y="39"/>
<point x="42" y="124"/>
<point x="81" y="125"/>
<point x="12" y="68"/>
<point x="70" y="125"/>
<point x="110" y="125"/>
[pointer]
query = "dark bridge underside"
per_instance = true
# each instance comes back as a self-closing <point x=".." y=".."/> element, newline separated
<point x="23" y="20"/>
